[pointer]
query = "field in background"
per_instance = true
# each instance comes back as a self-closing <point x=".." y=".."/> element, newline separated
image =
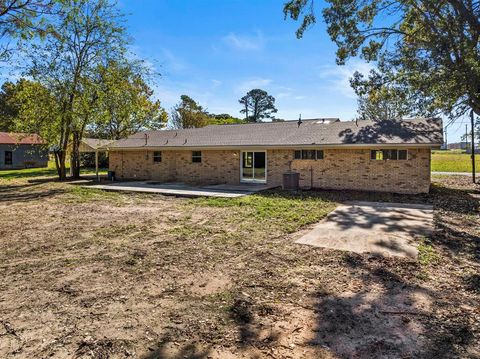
<point x="453" y="161"/>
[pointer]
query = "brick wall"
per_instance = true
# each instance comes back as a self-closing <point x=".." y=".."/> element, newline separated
<point x="216" y="166"/>
<point x="340" y="169"/>
<point x="353" y="169"/>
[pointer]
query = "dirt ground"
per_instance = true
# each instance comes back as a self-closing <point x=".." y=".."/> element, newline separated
<point x="91" y="274"/>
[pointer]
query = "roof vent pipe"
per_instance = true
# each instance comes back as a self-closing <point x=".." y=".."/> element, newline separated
<point x="299" y="120"/>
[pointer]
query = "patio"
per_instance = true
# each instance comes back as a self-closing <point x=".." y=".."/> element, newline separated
<point x="183" y="190"/>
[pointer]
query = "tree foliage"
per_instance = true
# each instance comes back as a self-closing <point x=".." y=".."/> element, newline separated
<point x="8" y="106"/>
<point x="188" y="114"/>
<point x="378" y="101"/>
<point x="125" y="104"/>
<point x="36" y="110"/>
<point x="88" y="33"/>
<point x="257" y="105"/>
<point x="24" y="19"/>
<point x="429" y="49"/>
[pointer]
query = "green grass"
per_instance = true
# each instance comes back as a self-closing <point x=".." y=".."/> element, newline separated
<point x="49" y="171"/>
<point x="281" y="209"/>
<point x="426" y="254"/>
<point x="78" y="194"/>
<point x="453" y="161"/>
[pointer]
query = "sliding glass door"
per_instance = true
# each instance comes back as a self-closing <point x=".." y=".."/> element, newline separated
<point x="254" y="166"/>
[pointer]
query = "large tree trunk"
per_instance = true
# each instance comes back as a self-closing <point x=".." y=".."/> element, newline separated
<point x="60" y="164"/>
<point x="75" y="155"/>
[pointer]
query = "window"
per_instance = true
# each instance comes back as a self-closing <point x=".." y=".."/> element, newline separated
<point x="196" y="156"/>
<point x="308" y="155"/>
<point x="379" y="155"/>
<point x="8" y="158"/>
<point x="402" y="155"/>
<point x="157" y="156"/>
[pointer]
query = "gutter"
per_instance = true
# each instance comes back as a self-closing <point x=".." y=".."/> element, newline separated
<point x="291" y="147"/>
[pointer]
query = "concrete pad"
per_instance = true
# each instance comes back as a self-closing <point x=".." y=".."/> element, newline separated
<point x="183" y="190"/>
<point x="387" y="229"/>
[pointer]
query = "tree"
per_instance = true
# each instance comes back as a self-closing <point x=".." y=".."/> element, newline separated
<point x="223" y="119"/>
<point x="468" y="136"/>
<point x="8" y="106"/>
<point x="88" y="33"/>
<point x="188" y="114"/>
<point x="125" y="101"/>
<point x="429" y="49"/>
<point x="380" y="102"/>
<point x="36" y="110"/>
<point x="257" y="105"/>
<point x="23" y="19"/>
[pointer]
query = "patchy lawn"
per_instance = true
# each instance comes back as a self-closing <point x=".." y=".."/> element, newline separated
<point x="50" y="171"/>
<point x="453" y="161"/>
<point x="88" y="273"/>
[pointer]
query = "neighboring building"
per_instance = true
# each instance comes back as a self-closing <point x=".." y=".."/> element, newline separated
<point x="19" y="150"/>
<point x="457" y="146"/>
<point x="391" y="156"/>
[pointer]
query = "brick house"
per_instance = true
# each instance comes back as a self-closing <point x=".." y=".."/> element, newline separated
<point x="388" y="156"/>
<point x="20" y="150"/>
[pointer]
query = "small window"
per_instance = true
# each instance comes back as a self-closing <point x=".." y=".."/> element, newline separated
<point x="402" y="154"/>
<point x="376" y="155"/>
<point x="379" y="155"/>
<point x="8" y="158"/>
<point x="196" y="156"/>
<point x="308" y="155"/>
<point x="157" y="156"/>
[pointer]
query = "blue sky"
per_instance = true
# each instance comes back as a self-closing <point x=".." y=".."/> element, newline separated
<point x="217" y="50"/>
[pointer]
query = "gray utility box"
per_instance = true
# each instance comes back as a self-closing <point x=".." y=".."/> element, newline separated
<point x="291" y="181"/>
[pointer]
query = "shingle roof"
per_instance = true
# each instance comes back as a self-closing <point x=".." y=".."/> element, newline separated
<point x="15" y="138"/>
<point x="424" y="131"/>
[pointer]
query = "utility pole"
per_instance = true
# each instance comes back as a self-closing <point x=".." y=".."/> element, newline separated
<point x="472" y="122"/>
<point x="466" y="137"/>
<point x="446" y="140"/>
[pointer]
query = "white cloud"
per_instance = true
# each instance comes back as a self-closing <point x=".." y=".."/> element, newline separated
<point x="338" y="77"/>
<point x="252" y="83"/>
<point x="245" y="42"/>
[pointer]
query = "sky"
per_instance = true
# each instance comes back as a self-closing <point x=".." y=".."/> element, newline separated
<point x="217" y="50"/>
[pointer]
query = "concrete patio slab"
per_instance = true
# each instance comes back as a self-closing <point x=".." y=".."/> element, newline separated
<point x="183" y="190"/>
<point x="387" y="229"/>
